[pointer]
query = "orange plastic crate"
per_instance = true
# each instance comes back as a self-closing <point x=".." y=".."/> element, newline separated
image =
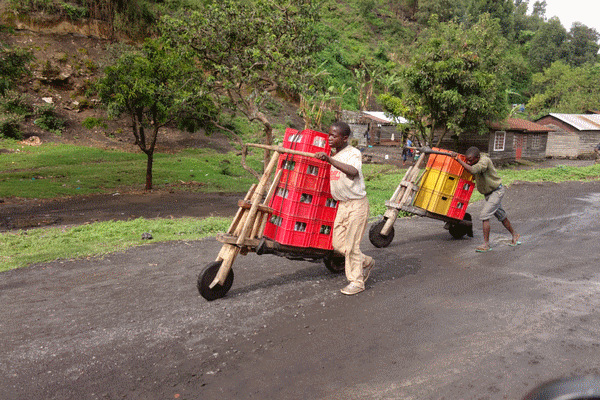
<point x="445" y="163"/>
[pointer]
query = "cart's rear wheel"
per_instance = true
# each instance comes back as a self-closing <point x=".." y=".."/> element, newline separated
<point x="335" y="263"/>
<point x="375" y="236"/>
<point x="207" y="276"/>
<point x="458" y="231"/>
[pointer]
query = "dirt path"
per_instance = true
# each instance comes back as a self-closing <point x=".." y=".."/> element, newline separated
<point x="116" y="206"/>
<point x="438" y="320"/>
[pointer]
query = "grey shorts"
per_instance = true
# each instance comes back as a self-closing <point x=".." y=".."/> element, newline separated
<point x="493" y="205"/>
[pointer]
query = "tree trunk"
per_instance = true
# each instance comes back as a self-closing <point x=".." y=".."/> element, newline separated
<point x="442" y="136"/>
<point x="150" y="151"/>
<point x="268" y="136"/>
<point x="150" y="155"/>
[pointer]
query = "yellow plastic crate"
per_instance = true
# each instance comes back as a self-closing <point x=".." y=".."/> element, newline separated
<point x="439" y="203"/>
<point x="440" y="181"/>
<point x="422" y="198"/>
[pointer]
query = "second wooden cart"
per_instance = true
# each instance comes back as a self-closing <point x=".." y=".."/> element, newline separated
<point x="381" y="233"/>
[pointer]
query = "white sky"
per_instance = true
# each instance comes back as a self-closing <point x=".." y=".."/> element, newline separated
<point x="568" y="11"/>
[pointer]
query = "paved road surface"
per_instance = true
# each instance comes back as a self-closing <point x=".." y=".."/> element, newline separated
<point x="438" y="320"/>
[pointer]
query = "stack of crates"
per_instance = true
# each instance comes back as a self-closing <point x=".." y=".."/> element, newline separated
<point x="303" y="209"/>
<point x="446" y="187"/>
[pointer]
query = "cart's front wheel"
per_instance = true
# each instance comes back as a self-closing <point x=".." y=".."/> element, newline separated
<point x="375" y="236"/>
<point x="335" y="263"/>
<point x="207" y="276"/>
<point x="458" y="231"/>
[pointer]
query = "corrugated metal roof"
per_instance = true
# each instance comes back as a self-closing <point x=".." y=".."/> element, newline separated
<point x="581" y="122"/>
<point x="518" y="124"/>
<point x="380" y="116"/>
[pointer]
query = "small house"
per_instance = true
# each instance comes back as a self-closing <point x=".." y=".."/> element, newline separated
<point x="508" y="141"/>
<point x="573" y="135"/>
<point x="374" y="128"/>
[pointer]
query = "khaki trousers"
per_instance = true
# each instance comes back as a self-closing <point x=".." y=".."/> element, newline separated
<point x="348" y="229"/>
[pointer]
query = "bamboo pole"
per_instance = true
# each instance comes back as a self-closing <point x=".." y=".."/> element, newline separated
<point x="240" y="211"/>
<point x="257" y="197"/>
<point x="261" y="221"/>
<point x="280" y="149"/>
<point x="392" y="212"/>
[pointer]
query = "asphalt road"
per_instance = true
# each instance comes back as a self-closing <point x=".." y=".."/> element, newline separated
<point x="437" y="321"/>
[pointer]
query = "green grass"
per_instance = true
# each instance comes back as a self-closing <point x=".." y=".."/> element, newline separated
<point x="55" y="170"/>
<point x="23" y="248"/>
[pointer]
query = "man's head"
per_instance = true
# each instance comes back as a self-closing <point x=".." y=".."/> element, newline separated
<point x="339" y="132"/>
<point x="472" y="155"/>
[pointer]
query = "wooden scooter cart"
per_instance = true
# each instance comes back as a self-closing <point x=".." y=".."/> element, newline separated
<point x="245" y="234"/>
<point x="381" y="233"/>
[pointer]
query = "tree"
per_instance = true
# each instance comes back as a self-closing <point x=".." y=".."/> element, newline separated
<point x="456" y="80"/>
<point x="548" y="45"/>
<point x="582" y="45"/>
<point x="503" y="10"/>
<point x="564" y="89"/>
<point x="155" y="86"/>
<point x="247" y="51"/>
<point x="446" y="10"/>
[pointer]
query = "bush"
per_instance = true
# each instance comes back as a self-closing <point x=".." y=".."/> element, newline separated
<point x="92" y="122"/>
<point x="10" y="126"/>
<point x="48" y="120"/>
<point x="16" y="103"/>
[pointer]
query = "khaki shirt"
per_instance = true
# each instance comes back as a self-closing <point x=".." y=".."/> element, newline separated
<point x="486" y="177"/>
<point x="342" y="187"/>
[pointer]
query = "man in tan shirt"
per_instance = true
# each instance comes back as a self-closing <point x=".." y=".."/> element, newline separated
<point x="348" y="188"/>
<point x="490" y="185"/>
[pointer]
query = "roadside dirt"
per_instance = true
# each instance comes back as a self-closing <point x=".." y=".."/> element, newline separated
<point x="438" y="321"/>
<point x="25" y="214"/>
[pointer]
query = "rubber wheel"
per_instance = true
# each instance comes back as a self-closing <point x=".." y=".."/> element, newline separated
<point x="376" y="238"/>
<point x="207" y="276"/>
<point x="335" y="263"/>
<point x="458" y="231"/>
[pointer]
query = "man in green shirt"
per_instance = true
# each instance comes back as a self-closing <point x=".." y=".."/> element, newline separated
<point x="490" y="185"/>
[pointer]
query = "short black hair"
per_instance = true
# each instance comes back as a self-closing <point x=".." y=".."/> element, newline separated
<point x="472" y="152"/>
<point x="343" y="127"/>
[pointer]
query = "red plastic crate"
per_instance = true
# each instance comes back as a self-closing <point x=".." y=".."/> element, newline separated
<point x="304" y="172"/>
<point x="295" y="202"/>
<point x="306" y="140"/>
<point x="464" y="190"/>
<point x="458" y="207"/>
<point x="321" y="238"/>
<point x="290" y="230"/>
<point x="327" y="208"/>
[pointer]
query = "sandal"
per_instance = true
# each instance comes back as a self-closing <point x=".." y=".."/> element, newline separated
<point x="483" y="249"/>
